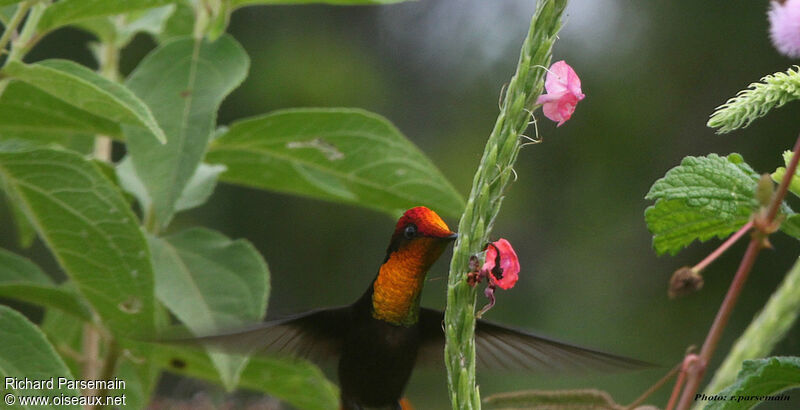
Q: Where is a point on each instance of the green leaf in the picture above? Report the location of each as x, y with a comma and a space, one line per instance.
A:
183, 82
31, 114
140, 380
26, 353
702, 198
26, 233
794, 184
70, 11
759, 380
65, 333
211, 283
87, 90
4, 3
295, 381
200, 187
342, 155
20, 279
242, 3
179, 24
90, 229
120, 31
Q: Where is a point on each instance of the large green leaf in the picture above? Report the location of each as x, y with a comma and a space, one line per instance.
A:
90, 229
4, 3
70, 11
28, 113
702, 198
759, 380
26, 353
183, 82
211, 283
295, 381
343, 155
87, 90
21, 279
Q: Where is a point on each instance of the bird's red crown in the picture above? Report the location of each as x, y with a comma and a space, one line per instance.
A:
428, 223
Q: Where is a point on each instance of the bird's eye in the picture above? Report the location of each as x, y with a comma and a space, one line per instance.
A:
410, 231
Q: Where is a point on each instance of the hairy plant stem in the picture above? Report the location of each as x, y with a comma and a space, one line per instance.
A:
695, 373
489, 183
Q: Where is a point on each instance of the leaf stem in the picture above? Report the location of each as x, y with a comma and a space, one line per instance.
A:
661, 382
722, 248
489, 184
25, 40
11, 28
695, 374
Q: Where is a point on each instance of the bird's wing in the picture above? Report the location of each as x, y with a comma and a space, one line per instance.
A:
500, 347
315, 335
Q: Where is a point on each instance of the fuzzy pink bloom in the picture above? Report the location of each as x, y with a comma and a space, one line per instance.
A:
563, 92
784, 27
502, 264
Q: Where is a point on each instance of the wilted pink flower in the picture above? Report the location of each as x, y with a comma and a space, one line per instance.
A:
500, 268
563, 92
502, 264
784, 26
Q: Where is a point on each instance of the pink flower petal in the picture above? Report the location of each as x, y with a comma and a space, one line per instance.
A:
502, 264
563, 92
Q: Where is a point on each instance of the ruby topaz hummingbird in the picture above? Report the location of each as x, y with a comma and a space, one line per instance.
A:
379, 338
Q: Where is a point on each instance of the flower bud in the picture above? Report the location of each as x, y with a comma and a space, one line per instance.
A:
684, 282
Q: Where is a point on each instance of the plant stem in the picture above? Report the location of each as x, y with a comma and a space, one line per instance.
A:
764, 332
490, 181
661, 382
93, 367
109, 368
694, 378
24, 41
11, 28
722, 248
91, 356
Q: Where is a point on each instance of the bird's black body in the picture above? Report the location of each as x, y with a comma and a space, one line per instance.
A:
376, 359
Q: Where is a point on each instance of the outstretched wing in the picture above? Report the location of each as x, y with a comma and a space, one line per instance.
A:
500, 347
315, 335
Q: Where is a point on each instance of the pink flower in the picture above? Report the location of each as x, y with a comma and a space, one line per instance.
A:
502, 264
563, 92
784, 26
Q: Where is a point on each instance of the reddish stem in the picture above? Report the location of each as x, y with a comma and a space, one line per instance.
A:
673, 398
695, 374
722, 248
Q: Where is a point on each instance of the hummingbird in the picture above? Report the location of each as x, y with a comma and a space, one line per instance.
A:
379, 338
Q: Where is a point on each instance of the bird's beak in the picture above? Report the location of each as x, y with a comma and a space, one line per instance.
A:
453, 236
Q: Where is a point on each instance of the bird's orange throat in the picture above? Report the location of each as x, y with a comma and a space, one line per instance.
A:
397, 289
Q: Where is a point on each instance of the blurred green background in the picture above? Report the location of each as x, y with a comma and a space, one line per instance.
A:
652, 73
